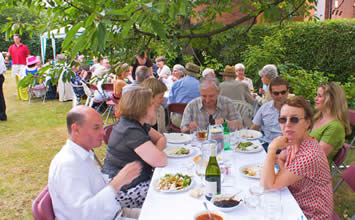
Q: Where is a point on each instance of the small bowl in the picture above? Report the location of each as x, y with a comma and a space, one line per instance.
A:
226, 197
221, 214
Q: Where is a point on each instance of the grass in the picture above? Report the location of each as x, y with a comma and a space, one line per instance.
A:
35, 132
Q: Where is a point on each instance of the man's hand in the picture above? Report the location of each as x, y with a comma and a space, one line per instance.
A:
126, 175
219, 121
233, 125
193, 125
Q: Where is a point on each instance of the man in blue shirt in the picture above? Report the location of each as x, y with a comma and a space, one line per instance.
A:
268, 114
185, 89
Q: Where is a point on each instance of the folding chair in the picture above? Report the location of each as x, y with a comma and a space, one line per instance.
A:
111, 105
76, 97
175, 108
42, 208
339, 159
39, 91
349, 177
245, 110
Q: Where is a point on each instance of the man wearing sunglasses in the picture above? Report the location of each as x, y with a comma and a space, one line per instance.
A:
268, 114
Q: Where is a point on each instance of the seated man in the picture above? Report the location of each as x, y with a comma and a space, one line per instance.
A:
268, 114
142, 73
233, 89
77, 187
185, 89
210, 108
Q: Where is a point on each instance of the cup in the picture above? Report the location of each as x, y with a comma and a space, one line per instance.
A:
272, 205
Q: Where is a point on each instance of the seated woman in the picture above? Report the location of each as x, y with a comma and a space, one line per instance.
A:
158, 88
303, 164
132, 139
332, 120
123, 73
240, 70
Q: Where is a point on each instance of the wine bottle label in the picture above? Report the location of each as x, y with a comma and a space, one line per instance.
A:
211, 188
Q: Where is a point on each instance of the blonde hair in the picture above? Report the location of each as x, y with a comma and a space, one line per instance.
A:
335, 104
134, 103
155, 85
120, 69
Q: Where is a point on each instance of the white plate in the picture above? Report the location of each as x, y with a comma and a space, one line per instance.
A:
256, 167
170, 152
249, 134
156, 183
251, 149
178, 138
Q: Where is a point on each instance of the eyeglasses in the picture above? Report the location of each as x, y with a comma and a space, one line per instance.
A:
278, 93
293, 120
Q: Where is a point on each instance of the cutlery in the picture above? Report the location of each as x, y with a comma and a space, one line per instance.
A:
208, 211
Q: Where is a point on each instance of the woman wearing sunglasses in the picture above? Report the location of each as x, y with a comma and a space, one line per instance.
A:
303, 164
332, 120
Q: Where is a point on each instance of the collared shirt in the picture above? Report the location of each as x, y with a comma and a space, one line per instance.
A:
267, 116
184, 90
130, 87
2, 64
19, 53
77, 187
236, 90
195, 111
165, 70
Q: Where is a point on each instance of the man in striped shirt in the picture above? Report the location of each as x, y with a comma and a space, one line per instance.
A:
210, 108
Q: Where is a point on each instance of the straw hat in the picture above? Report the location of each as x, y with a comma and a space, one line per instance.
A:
229, 71
32, 60
192, 69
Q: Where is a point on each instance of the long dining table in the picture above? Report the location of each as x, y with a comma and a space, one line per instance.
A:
181, 205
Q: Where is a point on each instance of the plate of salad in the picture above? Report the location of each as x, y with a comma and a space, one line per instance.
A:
171, 183
179, 151
248, 147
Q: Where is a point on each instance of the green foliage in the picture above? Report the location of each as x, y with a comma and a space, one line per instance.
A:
302, 82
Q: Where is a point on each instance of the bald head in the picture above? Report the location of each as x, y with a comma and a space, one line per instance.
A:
78, 115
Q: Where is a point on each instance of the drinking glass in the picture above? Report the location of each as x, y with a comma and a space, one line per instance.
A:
194, 142
272, 205
201, 135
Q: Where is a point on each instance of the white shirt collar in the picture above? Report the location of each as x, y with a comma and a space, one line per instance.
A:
79, 150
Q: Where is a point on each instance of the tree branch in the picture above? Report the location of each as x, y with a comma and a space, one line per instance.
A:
296, 9
74, 6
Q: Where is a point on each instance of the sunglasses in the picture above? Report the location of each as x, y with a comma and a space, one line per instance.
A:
278, 93
293, 120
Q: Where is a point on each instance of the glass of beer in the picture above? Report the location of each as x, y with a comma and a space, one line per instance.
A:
201, 134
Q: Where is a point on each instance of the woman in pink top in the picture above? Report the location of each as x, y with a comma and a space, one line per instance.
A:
303, 164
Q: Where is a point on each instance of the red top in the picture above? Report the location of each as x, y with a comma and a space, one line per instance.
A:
19, 53
314, 192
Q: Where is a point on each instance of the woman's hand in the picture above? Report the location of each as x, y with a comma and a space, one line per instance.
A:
280, 142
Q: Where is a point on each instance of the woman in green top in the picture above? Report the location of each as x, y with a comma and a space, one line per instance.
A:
331, 123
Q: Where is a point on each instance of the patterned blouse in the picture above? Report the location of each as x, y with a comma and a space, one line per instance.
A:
314, 192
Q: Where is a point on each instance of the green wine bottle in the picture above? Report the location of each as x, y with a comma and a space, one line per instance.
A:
226, 136
213, 174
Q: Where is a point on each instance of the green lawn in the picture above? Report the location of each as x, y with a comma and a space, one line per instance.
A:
31, 137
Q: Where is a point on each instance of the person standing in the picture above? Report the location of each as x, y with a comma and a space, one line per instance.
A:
3, 116
18, 51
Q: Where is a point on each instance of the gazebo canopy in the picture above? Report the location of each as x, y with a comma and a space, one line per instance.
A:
54, 34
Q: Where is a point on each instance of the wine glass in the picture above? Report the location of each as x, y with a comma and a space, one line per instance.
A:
272, 205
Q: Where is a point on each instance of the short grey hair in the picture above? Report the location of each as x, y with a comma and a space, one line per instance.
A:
60, 57
206, 72
206, 83
269, 71
142, 72
239, 66
179, 68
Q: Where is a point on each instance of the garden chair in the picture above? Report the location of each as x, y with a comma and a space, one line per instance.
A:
176, 108
246, 111
110, 103
339, 158
39, 91
349, 177
42, 208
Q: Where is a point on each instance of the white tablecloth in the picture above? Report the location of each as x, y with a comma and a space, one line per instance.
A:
181, 206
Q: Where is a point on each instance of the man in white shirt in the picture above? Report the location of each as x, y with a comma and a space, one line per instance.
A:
3, 116
77, 187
